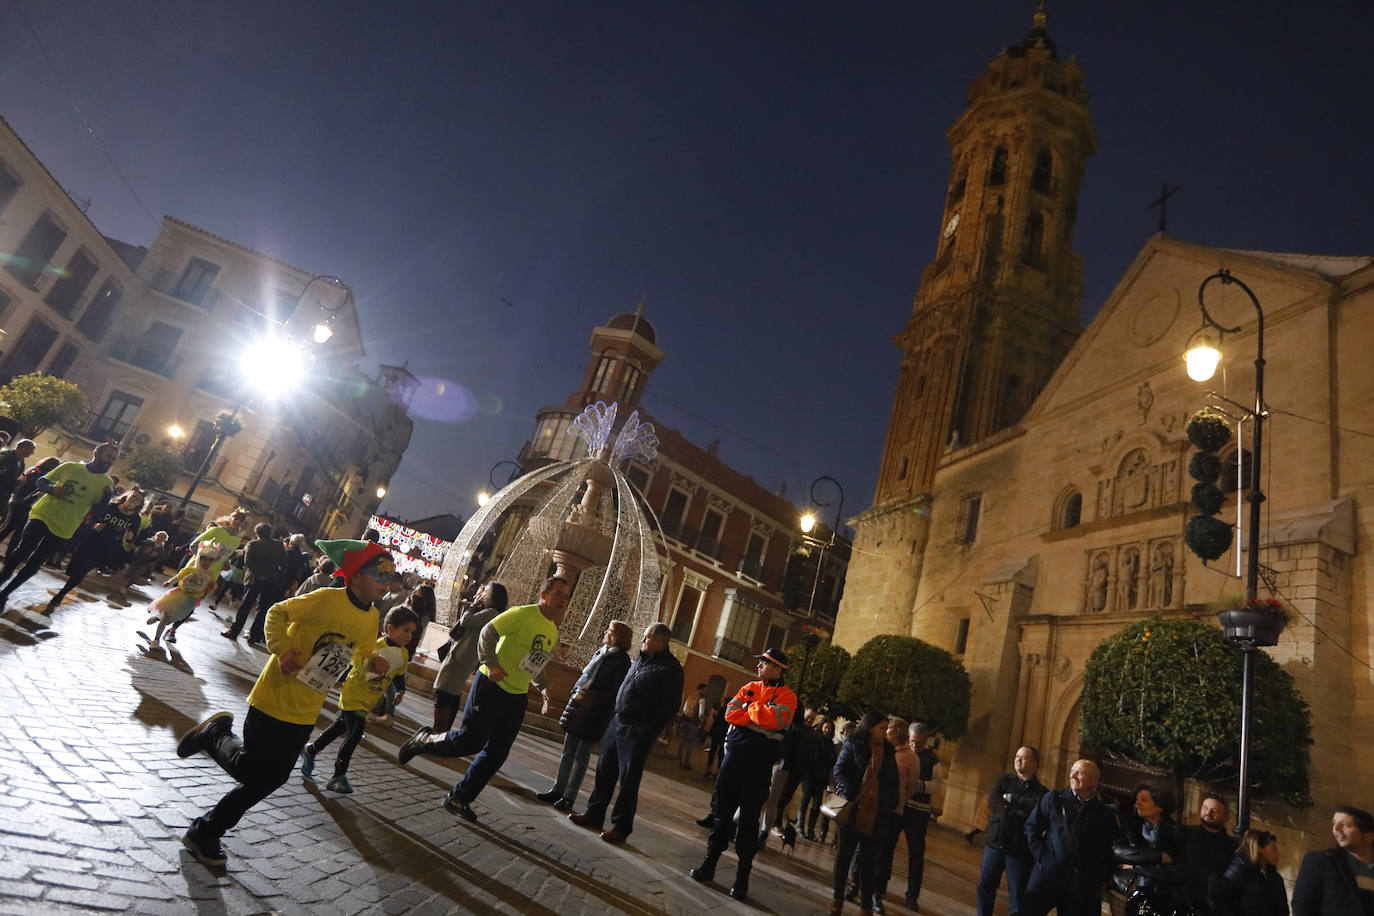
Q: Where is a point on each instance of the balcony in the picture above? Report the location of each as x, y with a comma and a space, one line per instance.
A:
752, 569
132, 350
731, 651
169, 284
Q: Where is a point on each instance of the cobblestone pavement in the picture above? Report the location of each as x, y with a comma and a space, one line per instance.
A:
93, 802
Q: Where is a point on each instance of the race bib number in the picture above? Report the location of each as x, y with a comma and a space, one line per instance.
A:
326, 667
534, 662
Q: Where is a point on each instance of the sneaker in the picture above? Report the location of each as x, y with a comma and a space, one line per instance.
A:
307, 761
229, 634
550, 796
454, 805
196, 739
412, 746
340, 784
153, 618
172, 636
206, 849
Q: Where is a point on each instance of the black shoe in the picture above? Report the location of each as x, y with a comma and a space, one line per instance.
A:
705, 871
808, 835
550, 796
198, 737
562, 805
911, 904
707, 821
740, 889
876, 905
762, 843
205, 848
851, 891
461, 808
407, 751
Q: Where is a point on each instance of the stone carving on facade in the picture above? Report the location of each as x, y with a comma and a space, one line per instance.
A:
718, 504
1061, 668
762, 529
1144, 400
680, 481
1133, 576
1139, 483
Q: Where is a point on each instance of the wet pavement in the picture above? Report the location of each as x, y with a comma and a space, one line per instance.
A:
94, 800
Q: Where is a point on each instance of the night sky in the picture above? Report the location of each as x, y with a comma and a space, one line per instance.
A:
495, 179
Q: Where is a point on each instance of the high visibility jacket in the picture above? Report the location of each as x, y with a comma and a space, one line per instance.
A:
761, 710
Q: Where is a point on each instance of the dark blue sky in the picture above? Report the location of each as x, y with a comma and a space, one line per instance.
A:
769, 176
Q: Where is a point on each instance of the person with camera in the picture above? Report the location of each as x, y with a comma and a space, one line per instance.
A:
1010, 802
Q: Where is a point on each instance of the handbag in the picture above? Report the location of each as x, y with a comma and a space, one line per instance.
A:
580, 707
834, 805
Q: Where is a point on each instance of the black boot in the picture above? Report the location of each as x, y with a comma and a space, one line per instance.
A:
740, 889
707, 869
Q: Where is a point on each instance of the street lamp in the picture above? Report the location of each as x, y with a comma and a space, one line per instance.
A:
807, 524
484, 496
323, 330
175, 431
1206, 363
381, 492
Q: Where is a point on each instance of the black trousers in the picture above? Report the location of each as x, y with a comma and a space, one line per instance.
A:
264, 595
351, 723
862, 851
624, 751
491, 723
742, 785
262, 761
35, 545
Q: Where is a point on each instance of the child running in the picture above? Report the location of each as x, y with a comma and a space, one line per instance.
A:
312, 639
189, 585
361, 691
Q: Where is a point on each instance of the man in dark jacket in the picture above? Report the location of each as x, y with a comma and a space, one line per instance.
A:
1340, 881
1070, 835
1209, 847
1010, 803
262, 559
646, 701
12, 466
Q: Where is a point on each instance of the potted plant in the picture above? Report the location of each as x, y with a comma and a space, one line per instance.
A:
1258, 621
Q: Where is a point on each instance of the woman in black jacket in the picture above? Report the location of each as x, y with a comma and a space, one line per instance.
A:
1251, 885
589, 711
1151, 853
866, 775
814, 782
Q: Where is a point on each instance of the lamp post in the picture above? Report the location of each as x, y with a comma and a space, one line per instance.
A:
808, 523
323, 330
516, 471
1202, 360
225, 425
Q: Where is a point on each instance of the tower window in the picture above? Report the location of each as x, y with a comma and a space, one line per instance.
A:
1042, 179
603, 371
901, 474
997, 173
1034, 239
631, 386
956, 190
961, 637
1069, 511
966, 526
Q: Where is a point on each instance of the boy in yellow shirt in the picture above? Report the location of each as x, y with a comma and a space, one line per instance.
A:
312, 640
361, 691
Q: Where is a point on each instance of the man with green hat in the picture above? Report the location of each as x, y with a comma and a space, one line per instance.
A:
312, 639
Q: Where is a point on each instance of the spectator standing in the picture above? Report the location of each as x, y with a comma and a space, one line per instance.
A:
1070, 835
689, 726
1250, 885
1210, 848
866, 775
588, 712
908, 777
69, 491
1340, 881
295, 564
423, 603
645, 701
758, 714
1150, 851
919, 808
322, 577
815, 780
262, 564
1010, 802
715, 735
460, 660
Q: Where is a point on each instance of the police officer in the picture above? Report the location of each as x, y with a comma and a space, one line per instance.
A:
758, 716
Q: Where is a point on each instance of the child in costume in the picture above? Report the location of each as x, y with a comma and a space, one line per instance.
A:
361, 691
189, 585
312, 639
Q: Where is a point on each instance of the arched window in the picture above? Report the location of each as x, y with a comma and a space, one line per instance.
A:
997, 173
631, 383
1042, 179
602, 376
1034, 239
1068, 510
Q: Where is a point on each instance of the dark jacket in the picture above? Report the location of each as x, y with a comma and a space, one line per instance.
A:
600, 682
1208, 854
11, 469
851, 765
1067, 836
1326, 886
823, 753
1248, 890
649, 695
1161, 881
1010, 802
262, 559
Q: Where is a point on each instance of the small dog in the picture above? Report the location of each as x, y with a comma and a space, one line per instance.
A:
789, 839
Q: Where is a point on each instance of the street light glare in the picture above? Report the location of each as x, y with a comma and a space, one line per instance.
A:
1202, 359
322, 332
176, 432
483, 498
381, 492
808, 521
275, 365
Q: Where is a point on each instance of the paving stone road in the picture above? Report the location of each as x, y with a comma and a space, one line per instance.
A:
93, 802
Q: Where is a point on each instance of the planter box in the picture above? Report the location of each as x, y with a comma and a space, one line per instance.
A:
1257, 628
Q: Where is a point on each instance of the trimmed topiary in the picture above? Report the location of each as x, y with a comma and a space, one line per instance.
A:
903, 676
1208, 430
1208, 498
824, 672
1208, 537
1204, 466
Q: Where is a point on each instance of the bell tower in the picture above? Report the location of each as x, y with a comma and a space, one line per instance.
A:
996, 311
998, 307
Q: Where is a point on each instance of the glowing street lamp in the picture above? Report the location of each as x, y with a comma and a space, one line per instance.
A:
483, 498
1202, 355
381, 492
176, 432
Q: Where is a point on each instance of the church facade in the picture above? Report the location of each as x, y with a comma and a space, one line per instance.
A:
1033, 490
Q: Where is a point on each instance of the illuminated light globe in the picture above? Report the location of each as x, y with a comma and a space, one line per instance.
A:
587, 520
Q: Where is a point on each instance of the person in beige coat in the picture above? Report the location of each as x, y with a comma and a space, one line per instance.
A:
461, 659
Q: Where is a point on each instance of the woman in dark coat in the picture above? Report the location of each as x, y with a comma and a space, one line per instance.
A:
461, 658
866, 775
1251, 885
589, 711
1151, 853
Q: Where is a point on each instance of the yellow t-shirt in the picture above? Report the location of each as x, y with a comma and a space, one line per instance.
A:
83, 488
323, 624
359, 690
528, 641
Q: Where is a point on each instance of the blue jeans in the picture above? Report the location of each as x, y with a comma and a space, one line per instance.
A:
491, 721
572, 767
990, 876
624, 751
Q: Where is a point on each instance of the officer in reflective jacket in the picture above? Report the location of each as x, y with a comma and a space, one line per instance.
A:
758, 715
